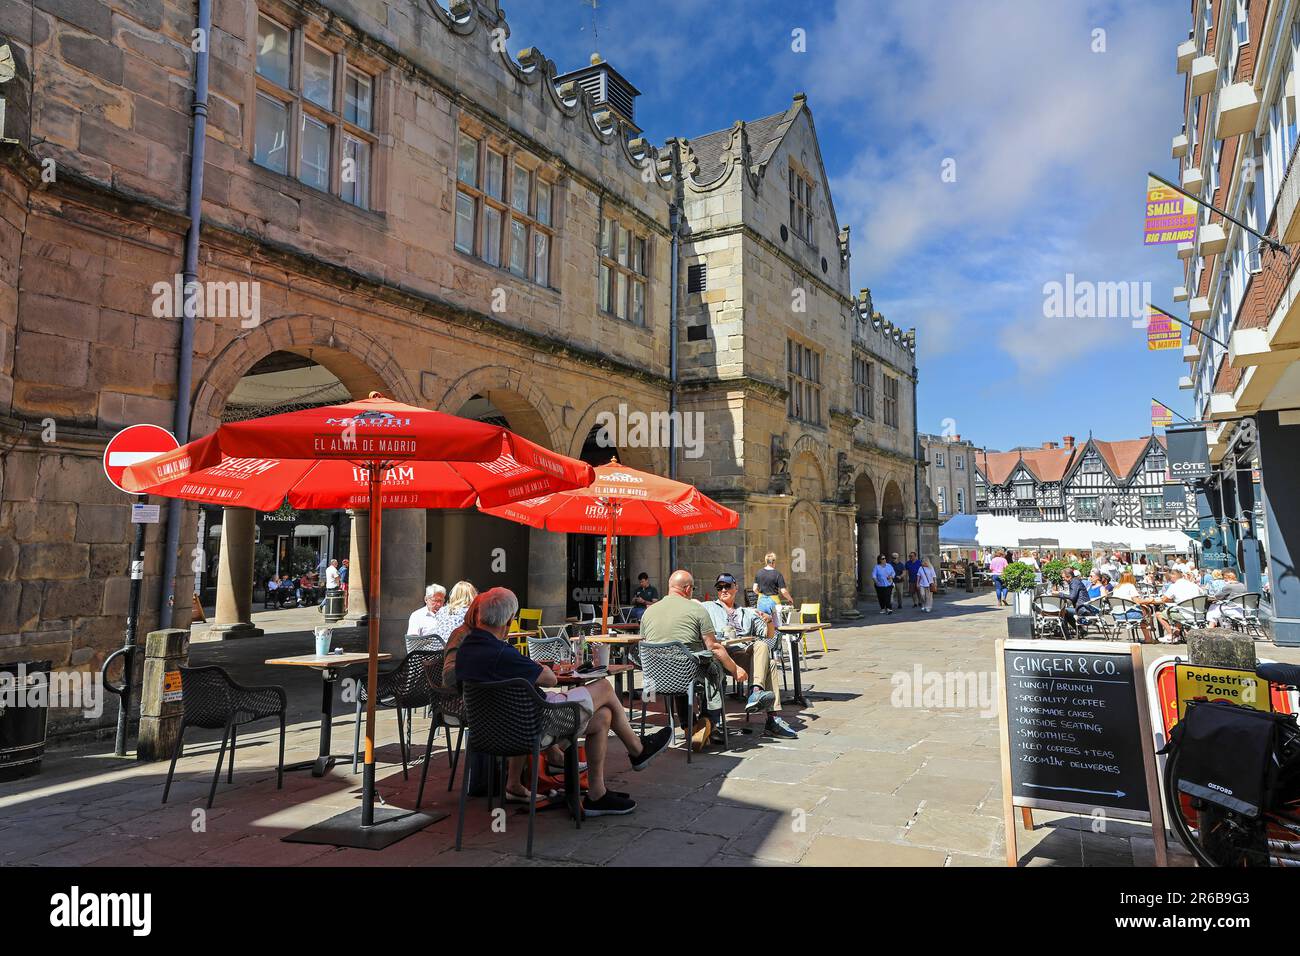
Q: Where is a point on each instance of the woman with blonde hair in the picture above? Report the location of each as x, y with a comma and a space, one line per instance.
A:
452, 614
925, 581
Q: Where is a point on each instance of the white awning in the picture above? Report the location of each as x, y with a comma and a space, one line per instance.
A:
1007, 531
311, 531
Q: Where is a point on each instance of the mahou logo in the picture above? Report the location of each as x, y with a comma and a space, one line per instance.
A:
621, 476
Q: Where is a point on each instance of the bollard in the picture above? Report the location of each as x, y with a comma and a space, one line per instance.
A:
1221, 647
970, 578
160, 693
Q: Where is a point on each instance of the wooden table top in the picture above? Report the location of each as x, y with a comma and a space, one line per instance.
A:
795, 627
524, 634
612, 639
629, 626
324, 660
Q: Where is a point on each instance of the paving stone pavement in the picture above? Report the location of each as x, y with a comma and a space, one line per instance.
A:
866, 783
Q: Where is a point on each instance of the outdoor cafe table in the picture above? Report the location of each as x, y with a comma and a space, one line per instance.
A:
329, 665
795, 631
617, 671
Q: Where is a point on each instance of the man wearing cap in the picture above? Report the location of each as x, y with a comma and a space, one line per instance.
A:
730, 622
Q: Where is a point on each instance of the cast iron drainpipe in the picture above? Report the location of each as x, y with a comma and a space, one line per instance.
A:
185, 356
674, 226
916, 459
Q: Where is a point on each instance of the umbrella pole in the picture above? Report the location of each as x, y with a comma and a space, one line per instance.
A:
609, 546
372, 668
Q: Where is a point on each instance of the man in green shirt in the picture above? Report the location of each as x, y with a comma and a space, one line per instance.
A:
678, 617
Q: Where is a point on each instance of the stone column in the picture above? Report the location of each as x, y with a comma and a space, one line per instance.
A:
548, 562
358, 569
402, 575
868, 548
234, 615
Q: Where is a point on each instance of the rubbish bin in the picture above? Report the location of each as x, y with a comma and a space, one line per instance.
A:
23, 717
333, 605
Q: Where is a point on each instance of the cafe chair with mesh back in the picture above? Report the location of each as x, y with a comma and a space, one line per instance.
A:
1048, 614
1121, 619
511, 718
550, 650
212, 699
404, 688
446, 711
1190, 613
671, 671
1248, 620
430, 643
816, 611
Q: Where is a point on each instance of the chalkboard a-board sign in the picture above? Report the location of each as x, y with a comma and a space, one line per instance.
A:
1076, 733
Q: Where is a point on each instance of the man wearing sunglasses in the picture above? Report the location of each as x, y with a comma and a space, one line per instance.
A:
731, 622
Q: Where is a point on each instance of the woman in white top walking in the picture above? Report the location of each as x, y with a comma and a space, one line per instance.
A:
925, 578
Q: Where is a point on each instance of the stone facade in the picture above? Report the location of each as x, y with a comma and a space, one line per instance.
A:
382, 298
950, 468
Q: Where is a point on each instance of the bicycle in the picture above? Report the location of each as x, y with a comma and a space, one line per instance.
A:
1217, 836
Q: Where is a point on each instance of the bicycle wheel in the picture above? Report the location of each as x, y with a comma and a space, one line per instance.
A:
1179, 803
1214, 837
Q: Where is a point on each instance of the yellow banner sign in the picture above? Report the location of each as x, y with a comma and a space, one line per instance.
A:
1220, 683
1163, 332
1170, 216
1161, 417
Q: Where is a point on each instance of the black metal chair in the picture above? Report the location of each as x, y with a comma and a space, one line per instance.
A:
550, 649
446, 710
404, 688
671, 670
213, 699
511, 718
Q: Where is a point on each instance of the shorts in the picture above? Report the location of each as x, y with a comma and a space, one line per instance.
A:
767, 603
578, 695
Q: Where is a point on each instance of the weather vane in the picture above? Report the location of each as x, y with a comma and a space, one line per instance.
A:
595, 32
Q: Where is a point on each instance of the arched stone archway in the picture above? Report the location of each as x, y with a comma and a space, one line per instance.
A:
807, 583
867, 524
651, 457
893, 528
358, 360
522, 402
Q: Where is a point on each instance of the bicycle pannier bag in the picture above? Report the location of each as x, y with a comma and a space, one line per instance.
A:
1227, 755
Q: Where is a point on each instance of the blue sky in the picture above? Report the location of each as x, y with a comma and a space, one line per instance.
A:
1050, 140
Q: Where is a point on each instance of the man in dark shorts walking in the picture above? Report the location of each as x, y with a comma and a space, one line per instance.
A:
769, 585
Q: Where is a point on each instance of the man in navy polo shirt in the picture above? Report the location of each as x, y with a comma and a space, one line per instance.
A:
913, 574
484, 656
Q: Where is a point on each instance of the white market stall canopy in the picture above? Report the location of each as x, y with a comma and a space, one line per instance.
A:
1007, 531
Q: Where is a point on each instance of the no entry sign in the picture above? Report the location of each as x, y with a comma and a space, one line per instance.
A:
135, 444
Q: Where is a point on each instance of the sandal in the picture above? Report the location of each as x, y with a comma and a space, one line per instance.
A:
523, 797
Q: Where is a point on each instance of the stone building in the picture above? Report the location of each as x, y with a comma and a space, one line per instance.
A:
950, 470
413, 210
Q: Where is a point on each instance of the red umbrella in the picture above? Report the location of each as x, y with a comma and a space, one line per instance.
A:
372, 454
633, 502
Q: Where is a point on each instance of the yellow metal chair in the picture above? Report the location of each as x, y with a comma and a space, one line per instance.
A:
816, 611
530, 619
519, 643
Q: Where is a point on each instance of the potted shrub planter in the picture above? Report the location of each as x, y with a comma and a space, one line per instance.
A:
1020, 581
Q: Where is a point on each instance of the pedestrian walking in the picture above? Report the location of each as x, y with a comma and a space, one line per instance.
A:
882, 575
900, 577
926, 579
769, 584
913, 573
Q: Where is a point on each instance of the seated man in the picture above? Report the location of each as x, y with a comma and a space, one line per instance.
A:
646, 594
484, 656
1220, 610
421, 622
756, 657
1179, 589
1075, 590
679, 618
